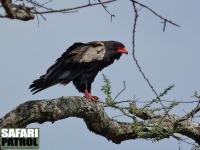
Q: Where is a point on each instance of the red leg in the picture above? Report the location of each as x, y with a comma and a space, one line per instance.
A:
89, 95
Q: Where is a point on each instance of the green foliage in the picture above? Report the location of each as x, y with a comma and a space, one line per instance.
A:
156, 100
166, 90
106, 89
147, 111
169, 107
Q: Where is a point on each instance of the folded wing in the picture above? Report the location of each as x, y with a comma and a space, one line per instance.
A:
78, 59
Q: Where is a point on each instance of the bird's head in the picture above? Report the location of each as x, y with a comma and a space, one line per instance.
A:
115, 48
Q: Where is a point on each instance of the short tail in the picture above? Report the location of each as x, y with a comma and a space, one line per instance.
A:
40, 84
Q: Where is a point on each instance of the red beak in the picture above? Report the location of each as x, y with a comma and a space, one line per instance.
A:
122, 50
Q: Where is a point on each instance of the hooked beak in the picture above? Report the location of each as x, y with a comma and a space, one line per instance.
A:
122, 50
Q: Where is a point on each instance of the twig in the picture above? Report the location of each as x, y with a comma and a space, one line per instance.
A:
114, 103
37, 15
117, 116
184, 140
120, 91
164, 19
74, 8
180, 102
46, 3
105, 8
35, 4
190, 114
123, 111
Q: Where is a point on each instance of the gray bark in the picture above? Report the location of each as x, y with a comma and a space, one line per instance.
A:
97, 120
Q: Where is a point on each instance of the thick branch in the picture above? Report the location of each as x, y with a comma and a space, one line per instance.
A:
96, 120
17, 11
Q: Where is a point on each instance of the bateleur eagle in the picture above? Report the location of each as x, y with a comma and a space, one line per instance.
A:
80, 63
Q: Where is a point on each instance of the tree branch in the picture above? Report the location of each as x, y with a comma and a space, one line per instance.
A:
74, 8
25, 13
156, 14
97, 120
190, 114
134, 56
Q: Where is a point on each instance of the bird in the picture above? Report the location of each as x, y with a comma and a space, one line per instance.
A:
80, 63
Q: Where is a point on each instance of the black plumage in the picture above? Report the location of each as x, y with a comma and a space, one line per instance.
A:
80, 63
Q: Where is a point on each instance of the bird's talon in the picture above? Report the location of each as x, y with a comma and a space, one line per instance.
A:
89, 95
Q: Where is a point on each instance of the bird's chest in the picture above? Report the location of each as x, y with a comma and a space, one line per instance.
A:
106, 62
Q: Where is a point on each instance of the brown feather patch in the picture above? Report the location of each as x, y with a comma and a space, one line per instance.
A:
100, 43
